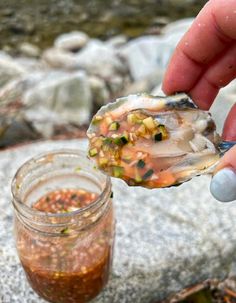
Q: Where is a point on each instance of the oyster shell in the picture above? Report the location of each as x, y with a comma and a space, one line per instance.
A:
153, 141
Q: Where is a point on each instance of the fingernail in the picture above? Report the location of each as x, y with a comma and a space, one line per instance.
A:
223, 185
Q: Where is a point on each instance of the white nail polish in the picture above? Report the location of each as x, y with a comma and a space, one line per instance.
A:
223, 185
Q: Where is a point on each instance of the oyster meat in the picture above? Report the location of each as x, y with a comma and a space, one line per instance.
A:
153, 141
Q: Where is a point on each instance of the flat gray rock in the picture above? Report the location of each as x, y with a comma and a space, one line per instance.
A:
166, 239
9, 69
99, 59
60, 97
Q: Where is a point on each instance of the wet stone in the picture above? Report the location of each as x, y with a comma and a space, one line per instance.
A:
99, 59
59, 58
72, 41
179, 237
59, 98
9, 69
29, 50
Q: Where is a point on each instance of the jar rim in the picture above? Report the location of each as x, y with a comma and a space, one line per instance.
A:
16, 201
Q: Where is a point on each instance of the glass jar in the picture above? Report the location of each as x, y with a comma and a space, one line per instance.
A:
66, 256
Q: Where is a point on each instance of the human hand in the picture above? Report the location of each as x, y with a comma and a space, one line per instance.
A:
203, 62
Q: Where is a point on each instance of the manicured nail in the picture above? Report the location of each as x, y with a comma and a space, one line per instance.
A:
223, 185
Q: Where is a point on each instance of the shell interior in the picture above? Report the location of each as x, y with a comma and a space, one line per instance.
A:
153, 141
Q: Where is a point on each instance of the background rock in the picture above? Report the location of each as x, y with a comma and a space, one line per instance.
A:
147, 55
179, 26
58, 58
116, 85
145, 85
30, 65
9, 69
117, 41
72, 41
15, 89
29, 50
59, 98
99, 90
99, 59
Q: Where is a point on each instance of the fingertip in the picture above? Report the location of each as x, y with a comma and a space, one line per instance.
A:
223, 185
229, 131
229, 160
204, 93
164, 86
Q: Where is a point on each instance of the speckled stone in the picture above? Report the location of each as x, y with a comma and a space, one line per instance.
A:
166, 239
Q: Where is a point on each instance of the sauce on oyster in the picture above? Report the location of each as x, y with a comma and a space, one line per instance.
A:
153, 141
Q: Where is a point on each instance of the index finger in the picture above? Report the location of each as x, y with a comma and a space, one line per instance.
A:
212, 32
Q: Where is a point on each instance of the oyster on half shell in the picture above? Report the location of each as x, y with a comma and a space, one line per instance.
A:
153, 141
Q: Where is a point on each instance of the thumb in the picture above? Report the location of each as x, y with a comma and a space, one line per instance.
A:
223, 184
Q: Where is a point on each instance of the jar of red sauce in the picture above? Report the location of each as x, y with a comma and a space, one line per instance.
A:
64, 226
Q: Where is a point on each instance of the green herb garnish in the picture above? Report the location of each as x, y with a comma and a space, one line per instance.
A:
121, 140
93, 152
118, 171
140, 163
114, 126
117, 141
163, 131
107, 141
65, 231
96, 120
148, 174
158, 137
124, 139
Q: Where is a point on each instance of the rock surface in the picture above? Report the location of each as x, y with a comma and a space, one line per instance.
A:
99, 90
9, 69
59, 97
165, 240
117, 41
29, 50
149, 54
59, 58
99, 59
144, 55
72, 41
179, 26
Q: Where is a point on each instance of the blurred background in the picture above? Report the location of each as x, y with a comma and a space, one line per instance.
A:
61, 60
40, 22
